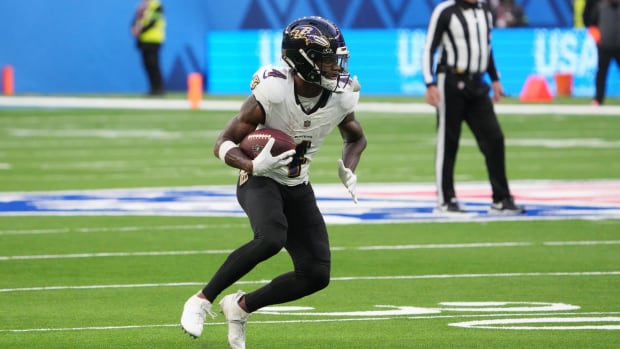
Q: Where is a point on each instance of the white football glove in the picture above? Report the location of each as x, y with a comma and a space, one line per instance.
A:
264, 162
349, 179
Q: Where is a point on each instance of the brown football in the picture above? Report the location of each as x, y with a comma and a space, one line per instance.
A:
255, 141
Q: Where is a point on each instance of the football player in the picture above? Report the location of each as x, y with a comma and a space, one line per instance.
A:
308, 99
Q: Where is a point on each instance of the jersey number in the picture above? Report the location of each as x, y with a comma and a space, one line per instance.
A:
299, 159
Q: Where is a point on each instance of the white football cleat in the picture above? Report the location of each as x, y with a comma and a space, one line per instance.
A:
194, 314
236, 317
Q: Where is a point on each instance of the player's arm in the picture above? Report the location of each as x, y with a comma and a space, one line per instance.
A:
496, 85
225, 148
354, 144
354, 141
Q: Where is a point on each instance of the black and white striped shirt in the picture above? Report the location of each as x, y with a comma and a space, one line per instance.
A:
462, 30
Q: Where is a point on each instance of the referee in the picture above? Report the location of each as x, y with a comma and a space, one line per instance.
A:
461, 29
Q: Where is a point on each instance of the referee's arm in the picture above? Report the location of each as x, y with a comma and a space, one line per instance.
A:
496, 86
433, 37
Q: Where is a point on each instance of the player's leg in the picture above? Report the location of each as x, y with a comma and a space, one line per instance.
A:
449, 119
308, 245
482, 121
260, 198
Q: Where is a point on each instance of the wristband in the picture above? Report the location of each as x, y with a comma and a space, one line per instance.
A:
224, 148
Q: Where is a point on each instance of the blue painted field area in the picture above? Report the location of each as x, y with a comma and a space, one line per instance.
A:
378, 203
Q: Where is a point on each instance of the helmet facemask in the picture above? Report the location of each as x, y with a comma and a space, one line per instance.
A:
327, 70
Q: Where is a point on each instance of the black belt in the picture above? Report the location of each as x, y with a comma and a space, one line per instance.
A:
463, 74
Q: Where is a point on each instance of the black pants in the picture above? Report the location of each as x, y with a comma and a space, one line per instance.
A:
467, 100
150, 61
281, 217
605, 56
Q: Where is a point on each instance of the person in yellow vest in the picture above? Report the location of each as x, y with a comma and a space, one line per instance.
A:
149, 28
578, 8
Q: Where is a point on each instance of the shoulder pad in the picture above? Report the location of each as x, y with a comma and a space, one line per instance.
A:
270, 82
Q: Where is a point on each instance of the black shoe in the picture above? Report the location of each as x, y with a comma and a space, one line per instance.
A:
506, 206
450, 207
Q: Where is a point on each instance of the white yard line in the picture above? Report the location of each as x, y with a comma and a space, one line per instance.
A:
343, 278
271, 322
360, 248
176, 228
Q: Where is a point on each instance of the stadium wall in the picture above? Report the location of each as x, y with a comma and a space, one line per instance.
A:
389, 62
72, 46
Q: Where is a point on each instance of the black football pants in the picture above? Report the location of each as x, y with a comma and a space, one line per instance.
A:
456, 107
281, 217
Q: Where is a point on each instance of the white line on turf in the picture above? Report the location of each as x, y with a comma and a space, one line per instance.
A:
204, 227
270, 322
581, 243
113, 254
344, 278
360, 248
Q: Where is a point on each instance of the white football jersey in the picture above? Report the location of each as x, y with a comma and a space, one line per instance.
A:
273, 88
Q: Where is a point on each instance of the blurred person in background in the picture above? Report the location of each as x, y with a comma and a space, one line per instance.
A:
578, 8
509, 14
149, 28
461, 31
604, 17
586, 14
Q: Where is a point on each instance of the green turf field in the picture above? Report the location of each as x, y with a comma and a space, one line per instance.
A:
121, 281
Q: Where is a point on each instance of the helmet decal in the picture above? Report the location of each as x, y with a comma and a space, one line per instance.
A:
310, 34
